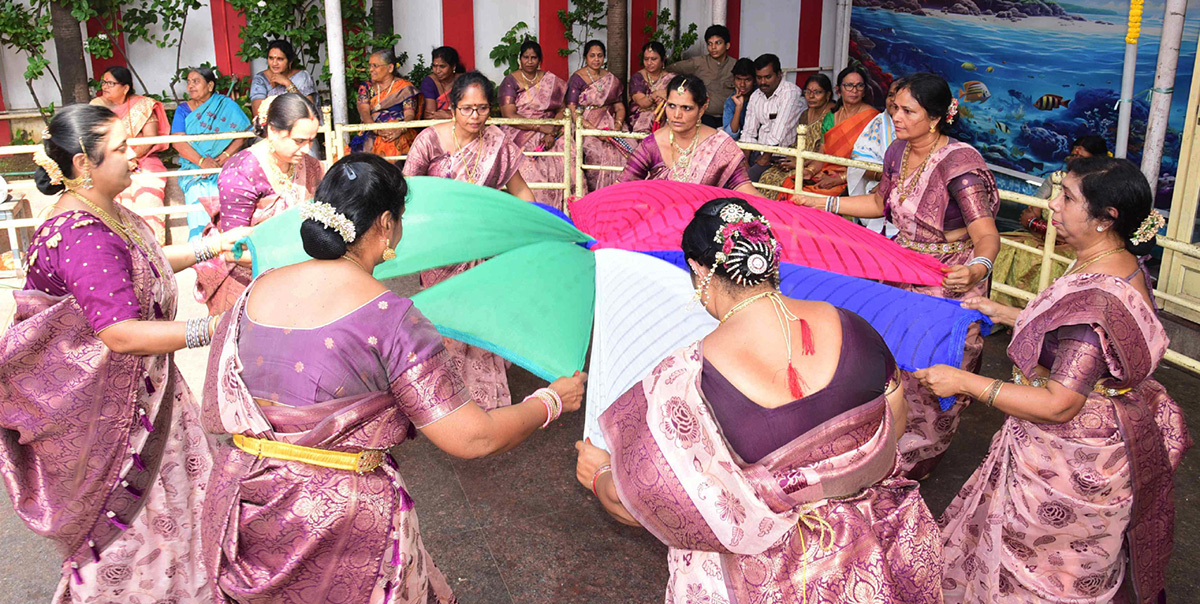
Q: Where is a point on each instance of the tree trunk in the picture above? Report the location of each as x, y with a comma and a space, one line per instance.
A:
68, 45
618, 39
381, 18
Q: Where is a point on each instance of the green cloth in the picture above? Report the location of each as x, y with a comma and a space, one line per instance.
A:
531, 302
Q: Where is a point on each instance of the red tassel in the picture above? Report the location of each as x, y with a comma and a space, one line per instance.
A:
807, 346
794, 382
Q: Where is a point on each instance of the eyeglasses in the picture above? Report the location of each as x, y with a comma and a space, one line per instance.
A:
812, 92
858, 86
108, 83
476, 110
374, 66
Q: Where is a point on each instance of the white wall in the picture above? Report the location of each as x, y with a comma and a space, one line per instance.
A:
156, 66
769, 26
492, 21
420, 27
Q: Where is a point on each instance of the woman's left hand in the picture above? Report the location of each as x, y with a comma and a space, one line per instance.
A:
590, 459
788, 164
942, 380
229, 241
829, 181
960, 278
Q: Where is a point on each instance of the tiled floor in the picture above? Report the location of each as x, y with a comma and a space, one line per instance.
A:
518, 528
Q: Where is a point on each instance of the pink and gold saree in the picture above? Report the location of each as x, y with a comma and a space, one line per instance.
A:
490, 160
543, 100
596, 101
1070, 512
717, 162
823, 519
954, 189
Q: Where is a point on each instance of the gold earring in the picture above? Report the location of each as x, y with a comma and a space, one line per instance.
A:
933, 128
389, 253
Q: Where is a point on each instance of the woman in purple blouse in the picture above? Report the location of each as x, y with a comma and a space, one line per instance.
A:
257, 183
106, 457
306, 505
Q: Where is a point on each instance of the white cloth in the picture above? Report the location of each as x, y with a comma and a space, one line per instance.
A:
870, 146
785, 105
644, 312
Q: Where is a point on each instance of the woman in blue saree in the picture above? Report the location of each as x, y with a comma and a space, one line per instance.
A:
205, 112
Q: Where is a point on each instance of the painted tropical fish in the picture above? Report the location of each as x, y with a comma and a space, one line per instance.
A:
969, 66
974, 92
1051, 101
1001, 126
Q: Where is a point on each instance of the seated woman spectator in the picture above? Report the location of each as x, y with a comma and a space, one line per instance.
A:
648, 90
532, 93
597, 94
871, 145
435, 88
143, 116
257, 183
387, 97
840, 130
283, 75
764, 455
1074, 502
205, 112
697, 154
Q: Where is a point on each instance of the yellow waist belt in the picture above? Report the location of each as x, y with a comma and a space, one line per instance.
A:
1040, 382
362, 462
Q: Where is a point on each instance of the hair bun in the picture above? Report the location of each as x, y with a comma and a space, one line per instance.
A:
42, 180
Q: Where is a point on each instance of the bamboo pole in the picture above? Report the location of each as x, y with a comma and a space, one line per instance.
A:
568, 140
1051, 235
801, 147
579, 183
1130, 70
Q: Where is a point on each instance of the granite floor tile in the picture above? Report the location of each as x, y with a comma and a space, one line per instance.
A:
469, 566
440, 501
579, 555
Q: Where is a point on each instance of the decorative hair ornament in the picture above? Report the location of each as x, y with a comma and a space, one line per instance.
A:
952, 112
1149, 227
324, 213
748, 252
263, 108
681, 89
49, 165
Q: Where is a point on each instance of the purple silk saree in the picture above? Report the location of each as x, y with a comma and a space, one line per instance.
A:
102, 451
290, 532
543, 100
823, 519
490, 161
1055, 509
717, 161
923, 211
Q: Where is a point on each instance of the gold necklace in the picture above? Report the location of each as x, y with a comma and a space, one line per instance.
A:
117, 226
529, 83
275, 176
357, 263
376, 91
1094, 260
652, 84
472, 172
683, 157
747, 302
909, 184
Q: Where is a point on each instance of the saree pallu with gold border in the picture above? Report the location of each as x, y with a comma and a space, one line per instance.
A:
148, 190
1071, 512
822, 519
543, 100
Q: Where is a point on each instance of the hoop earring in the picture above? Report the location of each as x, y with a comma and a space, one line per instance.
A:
389, 253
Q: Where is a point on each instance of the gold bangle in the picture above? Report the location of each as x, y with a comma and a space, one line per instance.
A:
993, 391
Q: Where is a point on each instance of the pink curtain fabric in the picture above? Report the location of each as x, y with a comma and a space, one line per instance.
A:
823, 519
1055, 509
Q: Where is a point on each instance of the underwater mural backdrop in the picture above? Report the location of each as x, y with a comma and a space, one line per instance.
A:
1030, 75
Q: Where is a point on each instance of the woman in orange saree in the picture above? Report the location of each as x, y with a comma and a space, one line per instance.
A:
142, 116
386, 97
842, 127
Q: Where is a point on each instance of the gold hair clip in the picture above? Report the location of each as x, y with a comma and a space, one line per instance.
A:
681, 89
49, 165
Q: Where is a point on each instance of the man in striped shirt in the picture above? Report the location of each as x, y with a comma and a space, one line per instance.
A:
773, 113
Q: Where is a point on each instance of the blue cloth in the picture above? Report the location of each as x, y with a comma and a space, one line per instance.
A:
727, 118
920, 330
218, 114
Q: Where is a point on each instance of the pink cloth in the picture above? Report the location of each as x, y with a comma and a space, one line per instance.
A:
145, 117
596, 101
1053, 510
490, 161
247, 197
109, 434
642, 120
822, 519
290, 532
650, 216
921, 217
542, 101
717, 161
